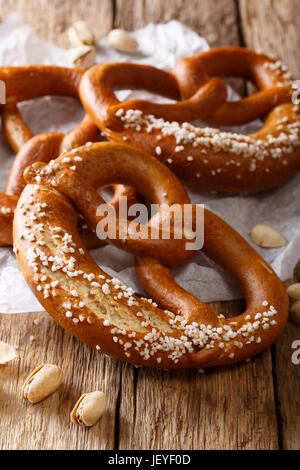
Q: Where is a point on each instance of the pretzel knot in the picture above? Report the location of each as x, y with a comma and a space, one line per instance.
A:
100, 310
206, 158
24, 83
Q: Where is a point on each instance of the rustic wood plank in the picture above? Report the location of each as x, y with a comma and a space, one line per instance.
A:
287, 375
225, 408
273, 27
275, 31
186, 410
217, 25
51, 20
47, 425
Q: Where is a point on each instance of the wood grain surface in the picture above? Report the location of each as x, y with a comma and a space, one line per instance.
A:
249, 406
276, 31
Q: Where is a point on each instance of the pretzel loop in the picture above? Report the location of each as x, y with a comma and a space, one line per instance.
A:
105, 314
99, 83
271, 78
34, 81
205, 158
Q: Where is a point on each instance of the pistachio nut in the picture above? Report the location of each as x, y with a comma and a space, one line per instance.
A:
122, 41
89, 409
80, 34
42, 382
294, 291
7, 353
295, 312
266, 236
84, 57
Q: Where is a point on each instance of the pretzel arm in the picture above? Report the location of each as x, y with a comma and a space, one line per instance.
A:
273, 82
203, 103
15, 130
99, 83
221, 161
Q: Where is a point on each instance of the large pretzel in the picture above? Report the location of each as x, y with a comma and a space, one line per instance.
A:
105, 314
23, 83
204, 157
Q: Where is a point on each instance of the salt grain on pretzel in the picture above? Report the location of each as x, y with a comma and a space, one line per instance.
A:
104, 313
204, 157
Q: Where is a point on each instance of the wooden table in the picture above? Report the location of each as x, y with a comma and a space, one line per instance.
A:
248, 406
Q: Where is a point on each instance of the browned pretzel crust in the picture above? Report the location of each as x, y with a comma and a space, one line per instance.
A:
271, 78
205, 158
104, 313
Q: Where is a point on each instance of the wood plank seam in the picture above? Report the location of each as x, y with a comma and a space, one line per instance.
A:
277, 405
135, 385
247, 92
114, 12
117, 412
273, 28
239, 24
246, 87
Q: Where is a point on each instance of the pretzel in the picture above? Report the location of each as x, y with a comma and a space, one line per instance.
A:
16, 131
204, 158
100, 310
24, 83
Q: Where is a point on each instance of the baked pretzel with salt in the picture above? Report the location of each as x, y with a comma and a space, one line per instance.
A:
205, 158
100, 310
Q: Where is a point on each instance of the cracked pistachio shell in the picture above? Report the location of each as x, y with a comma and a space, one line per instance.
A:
84, 57
120, 40
267, 237
294, 291
80, 34
42, 382
295, 312
89, 409
7, 353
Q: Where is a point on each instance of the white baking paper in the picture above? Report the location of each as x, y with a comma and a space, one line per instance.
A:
160, 45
